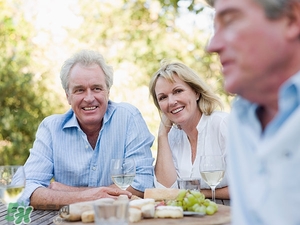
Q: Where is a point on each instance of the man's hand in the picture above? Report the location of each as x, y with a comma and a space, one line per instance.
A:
58, 194
105, 192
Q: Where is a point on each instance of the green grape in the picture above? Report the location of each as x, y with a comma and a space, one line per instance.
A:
181, 194
200, 201
191, 199
174, 203
201, 209
197, 194
195, 206
187, 202
206, 202
210, 210
179, 203
214, 205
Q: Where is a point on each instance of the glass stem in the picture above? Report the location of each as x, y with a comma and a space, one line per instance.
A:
213, 194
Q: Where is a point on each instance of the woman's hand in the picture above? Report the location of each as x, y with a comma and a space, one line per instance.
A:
165, 125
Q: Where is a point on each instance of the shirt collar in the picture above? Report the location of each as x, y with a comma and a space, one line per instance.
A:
292, 85
71, 120
244, 107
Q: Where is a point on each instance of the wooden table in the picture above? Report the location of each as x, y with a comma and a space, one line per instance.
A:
41, 217
38, 217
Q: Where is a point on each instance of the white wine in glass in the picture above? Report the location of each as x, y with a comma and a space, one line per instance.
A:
12, 183
122, 172
212, 170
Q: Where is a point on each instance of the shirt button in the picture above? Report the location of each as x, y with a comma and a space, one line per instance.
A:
86, 146
94, 168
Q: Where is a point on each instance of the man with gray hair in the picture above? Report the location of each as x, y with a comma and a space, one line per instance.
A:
258, 42
75, 148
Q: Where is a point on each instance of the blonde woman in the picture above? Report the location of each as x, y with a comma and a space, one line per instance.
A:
190, 126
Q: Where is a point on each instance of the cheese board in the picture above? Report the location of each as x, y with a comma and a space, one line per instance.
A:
221, 217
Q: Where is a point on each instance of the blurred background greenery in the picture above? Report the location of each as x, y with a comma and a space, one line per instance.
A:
133, 35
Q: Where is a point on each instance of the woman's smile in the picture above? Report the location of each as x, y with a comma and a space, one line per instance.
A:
175, 111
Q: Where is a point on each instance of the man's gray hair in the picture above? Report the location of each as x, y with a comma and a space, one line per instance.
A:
85, 58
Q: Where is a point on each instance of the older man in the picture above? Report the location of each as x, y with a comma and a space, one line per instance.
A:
258, 42
76, 148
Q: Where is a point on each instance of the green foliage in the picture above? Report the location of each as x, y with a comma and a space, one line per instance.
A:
133, 35
21, 101
195, 6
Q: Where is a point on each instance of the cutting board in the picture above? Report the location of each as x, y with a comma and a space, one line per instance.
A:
220, 217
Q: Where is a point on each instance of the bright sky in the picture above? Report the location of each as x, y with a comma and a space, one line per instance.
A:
53, 15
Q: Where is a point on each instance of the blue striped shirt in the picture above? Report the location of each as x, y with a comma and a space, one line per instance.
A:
61, 150
264, 164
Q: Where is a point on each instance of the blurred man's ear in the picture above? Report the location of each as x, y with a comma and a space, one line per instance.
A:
294, 21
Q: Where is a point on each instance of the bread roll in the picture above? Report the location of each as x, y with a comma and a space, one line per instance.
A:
148, 210
159, 194
139, 203
88, 216
168, 212
135, 215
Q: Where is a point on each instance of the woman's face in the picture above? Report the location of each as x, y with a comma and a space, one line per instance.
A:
178, 101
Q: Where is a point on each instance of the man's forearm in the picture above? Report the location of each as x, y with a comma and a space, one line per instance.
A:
48, 199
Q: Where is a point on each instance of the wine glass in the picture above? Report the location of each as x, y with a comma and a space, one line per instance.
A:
12, 183
212, 170
122, 172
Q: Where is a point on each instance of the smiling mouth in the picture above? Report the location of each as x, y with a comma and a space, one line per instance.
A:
177, 110
89, 108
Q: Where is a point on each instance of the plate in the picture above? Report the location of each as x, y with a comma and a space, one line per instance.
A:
190, 213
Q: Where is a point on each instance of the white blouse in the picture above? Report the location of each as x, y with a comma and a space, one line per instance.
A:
212, 131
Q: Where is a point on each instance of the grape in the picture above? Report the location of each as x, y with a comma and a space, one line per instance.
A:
214, 205
181, 194
201, 209
206, 202
192, 200
210, 210
195, 207
197, 194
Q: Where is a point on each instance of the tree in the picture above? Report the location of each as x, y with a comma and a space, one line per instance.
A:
24, 101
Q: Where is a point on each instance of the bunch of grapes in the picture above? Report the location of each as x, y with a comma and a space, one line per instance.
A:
192, 200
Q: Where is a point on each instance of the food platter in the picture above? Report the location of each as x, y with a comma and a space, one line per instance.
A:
222, 217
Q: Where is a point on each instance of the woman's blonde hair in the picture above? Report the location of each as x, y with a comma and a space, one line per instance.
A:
208, 100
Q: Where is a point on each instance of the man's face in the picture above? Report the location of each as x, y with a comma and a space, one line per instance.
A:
251, 46
88, 95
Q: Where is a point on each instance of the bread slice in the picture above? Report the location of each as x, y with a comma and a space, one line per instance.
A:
159, 194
